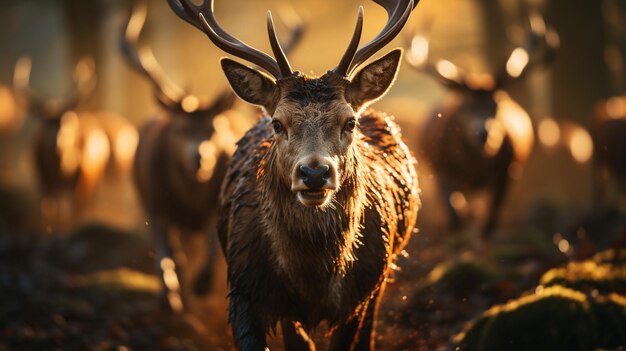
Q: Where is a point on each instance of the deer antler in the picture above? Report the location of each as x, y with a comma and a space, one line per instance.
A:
541, 44
202, 17
444, 71
84, 81
398, 12
142, 59
542, 40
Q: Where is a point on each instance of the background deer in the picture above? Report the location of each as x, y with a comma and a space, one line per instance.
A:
180, 163
321, 193
479, 135
72, 149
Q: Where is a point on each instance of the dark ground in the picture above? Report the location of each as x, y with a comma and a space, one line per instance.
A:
95, 289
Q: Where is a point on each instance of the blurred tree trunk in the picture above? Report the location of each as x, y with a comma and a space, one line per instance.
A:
614, 12
495, 32
579, 71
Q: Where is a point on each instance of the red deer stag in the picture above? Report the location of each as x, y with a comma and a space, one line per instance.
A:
320, 195
479, 135
71, 149
180, 163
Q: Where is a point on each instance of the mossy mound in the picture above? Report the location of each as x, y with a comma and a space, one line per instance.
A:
605, 272
122, 279
576, 307
462, 277
525, 245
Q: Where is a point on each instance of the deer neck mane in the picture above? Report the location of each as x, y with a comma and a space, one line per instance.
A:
305, 241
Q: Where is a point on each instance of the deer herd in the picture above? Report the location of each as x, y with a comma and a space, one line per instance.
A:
313, 203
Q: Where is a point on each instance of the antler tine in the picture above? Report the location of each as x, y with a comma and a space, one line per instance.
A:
446, 72
202, 17
21, 74
21, 82
242, 50
142, 58
398, 14
348, 56
188, 11
281, 58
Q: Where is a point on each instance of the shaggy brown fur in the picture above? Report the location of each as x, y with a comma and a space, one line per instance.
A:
336, 258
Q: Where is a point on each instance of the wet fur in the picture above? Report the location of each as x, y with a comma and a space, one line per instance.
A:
287, 262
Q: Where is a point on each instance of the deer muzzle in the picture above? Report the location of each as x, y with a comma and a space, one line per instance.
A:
314, 180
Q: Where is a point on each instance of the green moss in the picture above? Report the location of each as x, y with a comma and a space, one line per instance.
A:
611, 256
557, 319
461, 277
576, 307
605, 272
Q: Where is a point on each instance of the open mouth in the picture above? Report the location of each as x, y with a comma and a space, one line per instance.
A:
313, 197
313, 194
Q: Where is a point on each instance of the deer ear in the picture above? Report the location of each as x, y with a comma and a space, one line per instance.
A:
249, 84
374, 80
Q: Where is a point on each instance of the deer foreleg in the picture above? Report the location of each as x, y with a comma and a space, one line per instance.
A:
248, 331
166, 265
499, 192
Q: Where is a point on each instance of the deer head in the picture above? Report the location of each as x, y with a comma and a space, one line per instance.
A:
314, 119
479, 106
52, 110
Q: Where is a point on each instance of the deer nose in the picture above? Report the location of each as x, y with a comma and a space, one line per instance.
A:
314, 178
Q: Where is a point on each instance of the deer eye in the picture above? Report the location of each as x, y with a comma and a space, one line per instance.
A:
350, 125
278, 127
